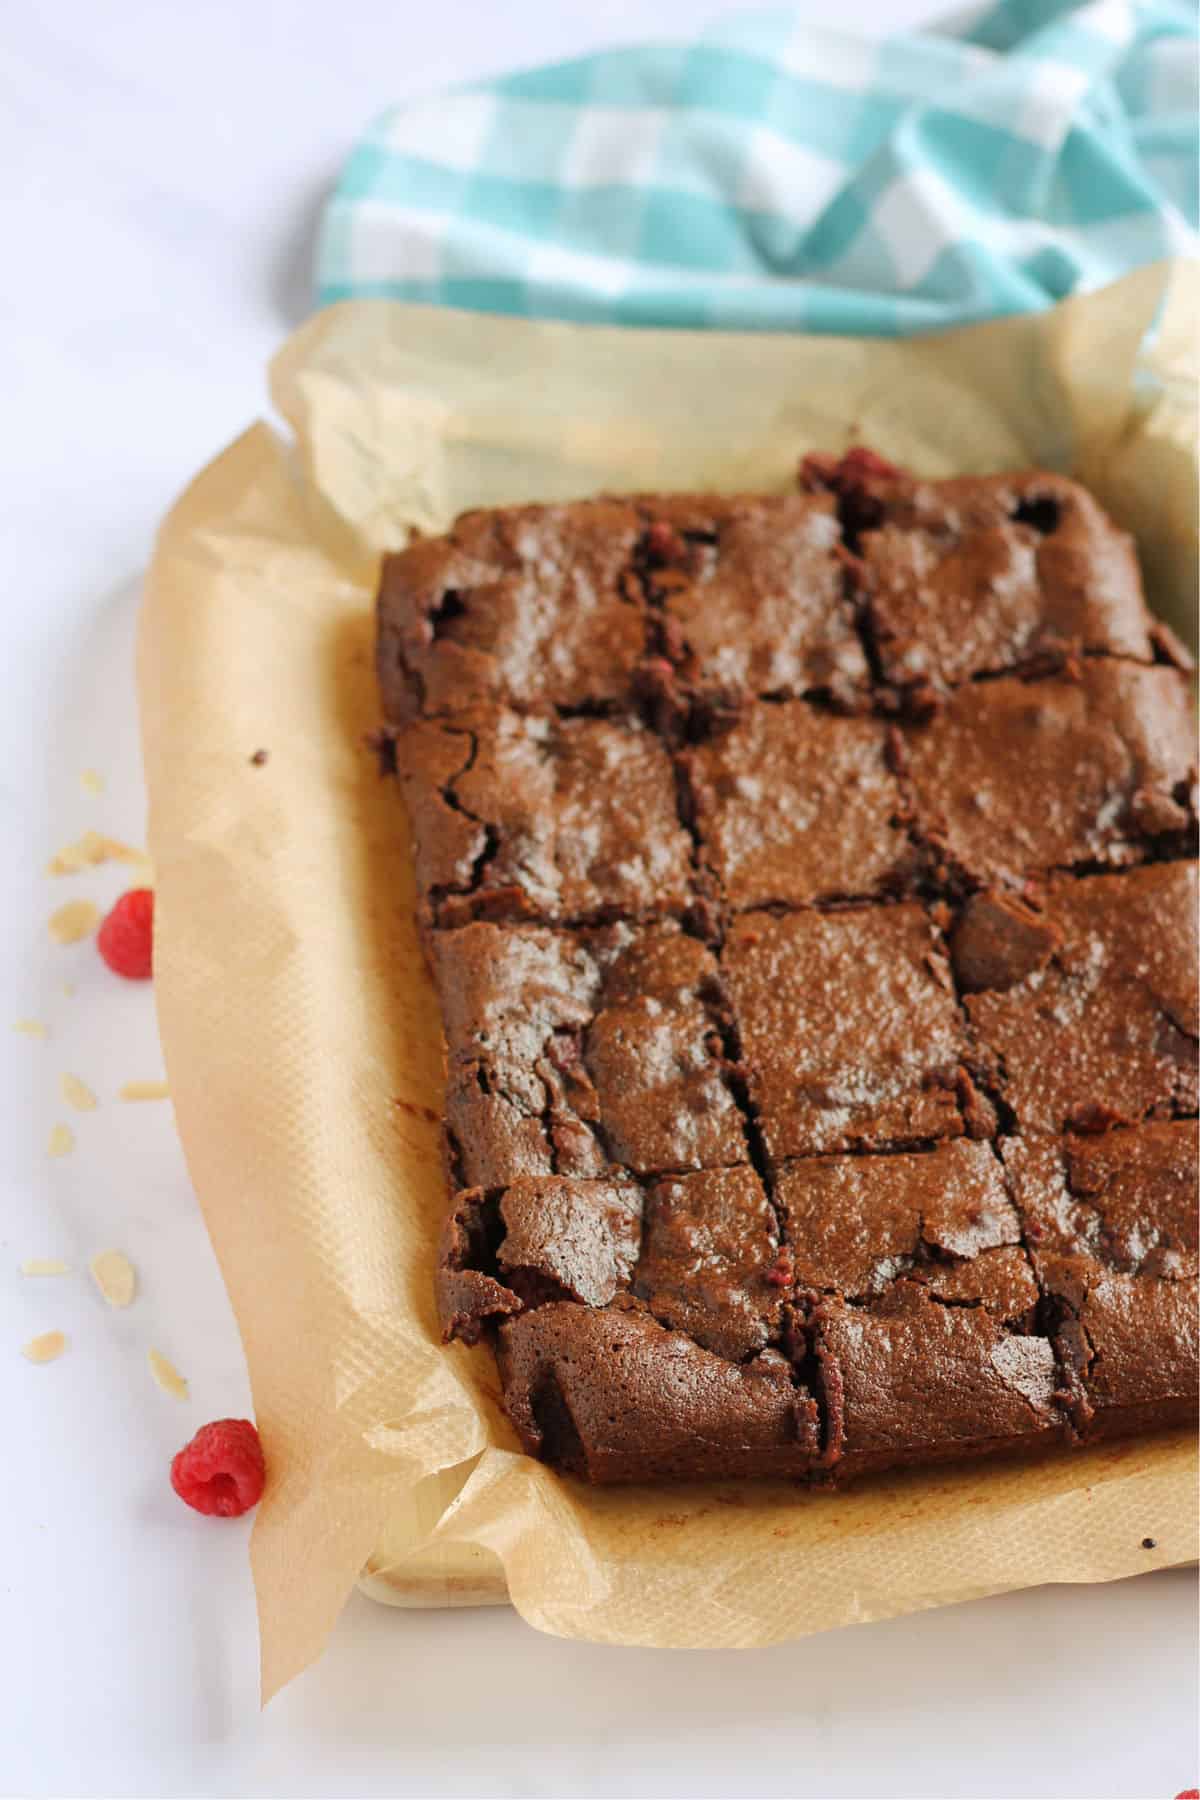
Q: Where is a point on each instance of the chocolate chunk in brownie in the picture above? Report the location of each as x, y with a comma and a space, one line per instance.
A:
1111, 1224
547, 1238
525, 606
996, 573
941, 1219
795, 805
615, 1396
576, 1052
909, 1379
850, 1032
552, 820
998, 940
754, 598
710, 1260
1106, 1029
1014, 778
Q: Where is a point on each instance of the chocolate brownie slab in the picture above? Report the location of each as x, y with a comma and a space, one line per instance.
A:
794, 805
576, 1053
554, 820
1102, 1027
850, 1032
1111, 1223
1014, 778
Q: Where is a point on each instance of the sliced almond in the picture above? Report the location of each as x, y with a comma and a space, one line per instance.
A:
115, 1276
77, 1093
31, 1028
144, 1090
94, 848
61, 1141
45, 1265
167, 1375
91, 782
44, 1348
77, 919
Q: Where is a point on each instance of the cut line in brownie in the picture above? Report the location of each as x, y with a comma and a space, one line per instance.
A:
1111, 1224
1015, 778
520, 816
581, 1052
849, 1030
1100, 1025
792, 805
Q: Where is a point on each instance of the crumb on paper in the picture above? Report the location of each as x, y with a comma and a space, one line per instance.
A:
144, 1090
115, 1276
167, 1375
259, 758
31, 1028
68, 988
94, 848
91, 782
45, 1347
77, 919
45, 1265
61, 1141
77, 1093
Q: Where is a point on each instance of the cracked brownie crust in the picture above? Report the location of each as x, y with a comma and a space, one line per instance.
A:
808, 884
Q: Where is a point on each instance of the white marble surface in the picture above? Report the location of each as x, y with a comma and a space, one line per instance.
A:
162, 165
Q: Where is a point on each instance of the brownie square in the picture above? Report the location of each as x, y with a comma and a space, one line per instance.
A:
576, 1053
983, 575
525, 606
849, 1029
1105, 1027
1015, 778
753, 593
617, 1397
1111, 1221
941, 1219
709, 1263
792, 805
543, 1238
913, 1380
552, 820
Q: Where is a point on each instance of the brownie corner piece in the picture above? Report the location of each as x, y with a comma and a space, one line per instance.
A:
1093, 1016
848, 1028
616, 1397
581, 1052
993, 574
552, 820
1111, 1222
522, 606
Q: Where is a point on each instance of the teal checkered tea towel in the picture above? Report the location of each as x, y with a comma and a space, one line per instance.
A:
773, 174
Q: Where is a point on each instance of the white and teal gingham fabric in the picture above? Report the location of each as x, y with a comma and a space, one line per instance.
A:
774, 175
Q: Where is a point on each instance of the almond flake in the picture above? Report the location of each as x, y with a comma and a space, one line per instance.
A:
45, 1265
45, 1348
61, 1141
77, 1093
94, 848
77, 919
91, 782
144, 1090
31, 1028
115, 1276
167, 1375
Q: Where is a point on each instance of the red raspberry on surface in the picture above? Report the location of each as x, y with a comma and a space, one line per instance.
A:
222, 1470
1188, 1794
126, 935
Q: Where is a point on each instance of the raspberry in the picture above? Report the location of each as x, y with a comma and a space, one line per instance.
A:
124, 939
222, 1470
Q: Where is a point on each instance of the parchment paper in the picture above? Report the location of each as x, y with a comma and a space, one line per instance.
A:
301, 1035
